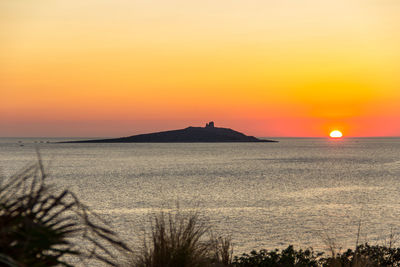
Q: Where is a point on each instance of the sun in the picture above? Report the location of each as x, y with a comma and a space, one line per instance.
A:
336, 134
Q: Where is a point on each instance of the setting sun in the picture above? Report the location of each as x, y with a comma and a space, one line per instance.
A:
336, 134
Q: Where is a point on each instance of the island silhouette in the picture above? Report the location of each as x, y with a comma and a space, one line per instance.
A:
207, 134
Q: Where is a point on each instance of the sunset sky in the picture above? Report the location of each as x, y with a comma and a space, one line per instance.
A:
263, 67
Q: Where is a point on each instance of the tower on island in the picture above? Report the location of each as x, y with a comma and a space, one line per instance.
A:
210, 124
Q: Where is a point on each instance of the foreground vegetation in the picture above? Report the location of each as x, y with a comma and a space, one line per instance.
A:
43, 227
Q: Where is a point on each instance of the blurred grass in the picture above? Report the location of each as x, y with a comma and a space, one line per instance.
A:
176, 240
41, 227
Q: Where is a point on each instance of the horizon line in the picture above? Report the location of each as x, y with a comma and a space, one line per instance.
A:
327, 136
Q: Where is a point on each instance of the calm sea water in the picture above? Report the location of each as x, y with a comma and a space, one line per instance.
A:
264, 195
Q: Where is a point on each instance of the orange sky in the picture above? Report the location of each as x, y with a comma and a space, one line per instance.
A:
267, 68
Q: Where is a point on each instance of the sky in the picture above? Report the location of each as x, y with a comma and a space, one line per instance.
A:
262, 67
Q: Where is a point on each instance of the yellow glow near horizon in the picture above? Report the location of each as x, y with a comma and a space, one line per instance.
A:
336, 134
265, 67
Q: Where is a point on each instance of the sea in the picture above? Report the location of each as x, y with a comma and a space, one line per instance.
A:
307, 192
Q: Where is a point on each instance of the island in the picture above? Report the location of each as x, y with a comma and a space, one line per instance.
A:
207, 134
